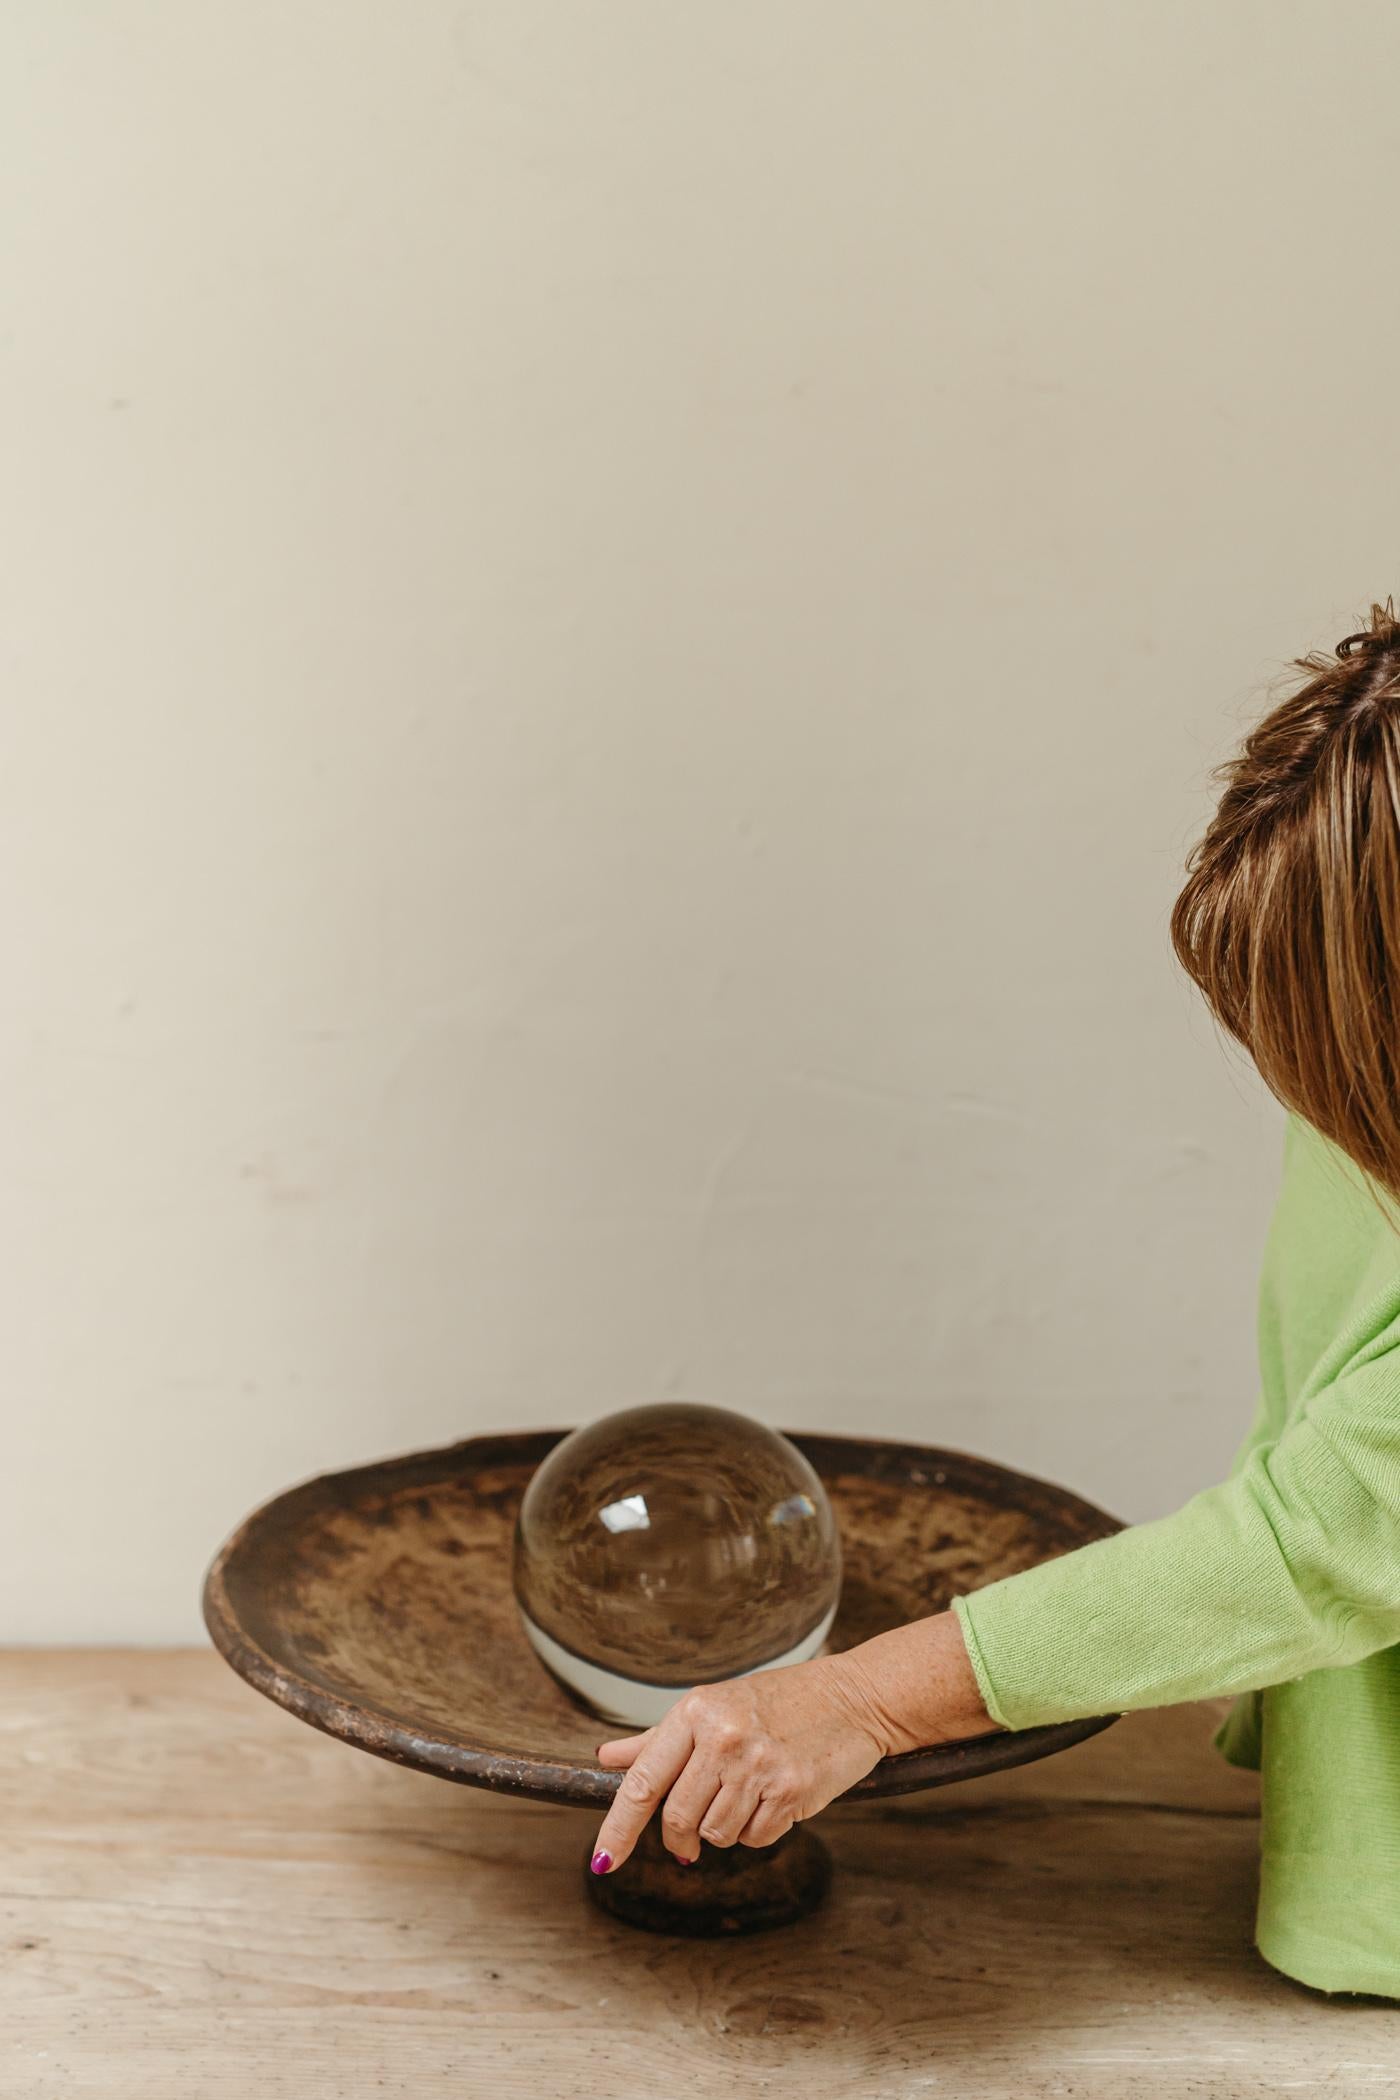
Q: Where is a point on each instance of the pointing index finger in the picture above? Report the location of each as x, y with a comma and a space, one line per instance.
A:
645, 1784
622, 1749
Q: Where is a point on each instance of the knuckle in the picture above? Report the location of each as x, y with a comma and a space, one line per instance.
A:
636, 1785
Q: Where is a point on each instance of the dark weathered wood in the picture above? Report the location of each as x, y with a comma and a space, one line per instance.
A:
720, 1895
377, 1603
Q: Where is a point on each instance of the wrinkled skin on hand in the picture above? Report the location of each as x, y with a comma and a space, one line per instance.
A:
739, 1763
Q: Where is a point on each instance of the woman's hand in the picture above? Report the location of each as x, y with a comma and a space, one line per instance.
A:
741, 1762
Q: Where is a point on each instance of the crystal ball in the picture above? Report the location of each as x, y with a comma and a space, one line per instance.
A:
669, 1546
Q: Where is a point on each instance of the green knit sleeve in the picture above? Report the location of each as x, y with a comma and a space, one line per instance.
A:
1292, 1565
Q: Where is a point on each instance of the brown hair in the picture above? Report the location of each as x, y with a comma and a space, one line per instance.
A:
1289, 922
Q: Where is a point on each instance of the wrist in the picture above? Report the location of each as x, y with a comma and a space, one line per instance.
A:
915, 1686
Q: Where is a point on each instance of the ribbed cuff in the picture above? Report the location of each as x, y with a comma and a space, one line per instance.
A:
978, 1660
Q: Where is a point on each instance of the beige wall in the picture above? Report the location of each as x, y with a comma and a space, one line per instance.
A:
614, 616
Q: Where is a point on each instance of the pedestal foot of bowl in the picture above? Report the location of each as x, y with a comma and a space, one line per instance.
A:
728, 1890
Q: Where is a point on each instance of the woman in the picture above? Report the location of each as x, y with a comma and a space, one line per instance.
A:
1282, 1585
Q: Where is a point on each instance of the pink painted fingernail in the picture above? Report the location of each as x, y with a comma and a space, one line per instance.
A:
601, 1863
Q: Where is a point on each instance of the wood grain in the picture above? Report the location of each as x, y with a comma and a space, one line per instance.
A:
202, 1899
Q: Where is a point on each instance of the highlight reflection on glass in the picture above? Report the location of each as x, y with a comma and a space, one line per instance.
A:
630, 1514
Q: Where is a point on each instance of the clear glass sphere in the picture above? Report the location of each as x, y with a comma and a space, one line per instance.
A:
669, 1546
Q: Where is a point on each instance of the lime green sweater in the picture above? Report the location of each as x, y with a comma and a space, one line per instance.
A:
1281, 1585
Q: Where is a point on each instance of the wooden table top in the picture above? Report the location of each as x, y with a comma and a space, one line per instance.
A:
203, 1899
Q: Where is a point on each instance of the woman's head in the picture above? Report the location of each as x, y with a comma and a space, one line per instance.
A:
1290, 918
